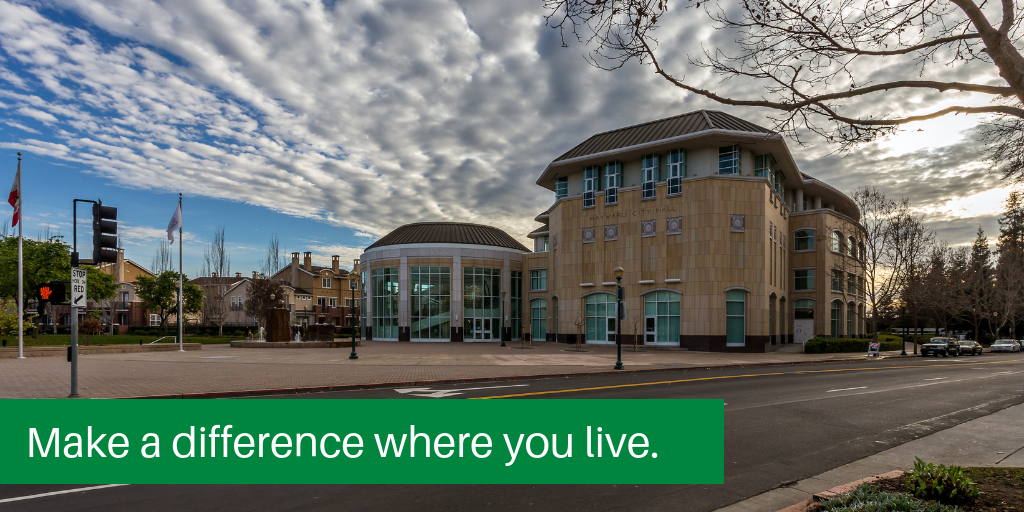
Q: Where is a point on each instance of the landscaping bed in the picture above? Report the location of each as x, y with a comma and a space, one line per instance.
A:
999, 489
116, 339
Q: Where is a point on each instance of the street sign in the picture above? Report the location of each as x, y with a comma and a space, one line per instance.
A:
78, 287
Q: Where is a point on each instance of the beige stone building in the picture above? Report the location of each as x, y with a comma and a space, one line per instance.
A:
724, 244
317, 294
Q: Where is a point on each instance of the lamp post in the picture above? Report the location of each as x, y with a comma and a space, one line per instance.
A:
353, 283
618, 316
501, 321
903, 339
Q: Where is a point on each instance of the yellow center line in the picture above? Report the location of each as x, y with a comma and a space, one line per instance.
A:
616, 386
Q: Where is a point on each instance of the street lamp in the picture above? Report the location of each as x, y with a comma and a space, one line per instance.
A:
501, 321
353, 283
903, 319
618, 316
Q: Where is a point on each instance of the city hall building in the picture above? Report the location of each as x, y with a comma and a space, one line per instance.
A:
724, 244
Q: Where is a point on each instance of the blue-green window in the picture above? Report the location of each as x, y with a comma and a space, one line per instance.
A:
385, 303
804, 279
516, 304
676, 171
430, 305
561, 187
539, 319
661, 317
538, 279
589, 185
837, 313
803, 240
729, 159
600, 311
649, 171
735, 318
612, 182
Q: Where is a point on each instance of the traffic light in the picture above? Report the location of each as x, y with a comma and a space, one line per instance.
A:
104, 233
53, 292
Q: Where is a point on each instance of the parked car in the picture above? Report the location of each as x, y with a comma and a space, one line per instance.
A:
971, 348
1005, 346
945, 346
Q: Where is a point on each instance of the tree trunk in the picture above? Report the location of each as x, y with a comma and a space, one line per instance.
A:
220, 330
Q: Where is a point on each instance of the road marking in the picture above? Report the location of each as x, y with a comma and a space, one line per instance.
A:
55, 493
616, 386
217, 357
1004, 373
846, 389
937, 378
444, 393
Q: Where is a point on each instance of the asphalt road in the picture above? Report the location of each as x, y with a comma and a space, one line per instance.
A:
783, 423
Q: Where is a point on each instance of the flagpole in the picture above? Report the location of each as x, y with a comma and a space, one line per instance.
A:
181, 298
21, 270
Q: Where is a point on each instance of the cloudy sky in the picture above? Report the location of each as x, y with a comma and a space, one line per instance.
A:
331, 123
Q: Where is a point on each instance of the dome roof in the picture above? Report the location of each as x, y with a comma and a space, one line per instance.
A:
449, 233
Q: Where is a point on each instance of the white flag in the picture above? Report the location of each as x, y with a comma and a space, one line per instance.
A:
15, 197
174, 224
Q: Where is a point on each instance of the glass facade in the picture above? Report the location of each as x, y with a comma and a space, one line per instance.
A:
385, 303
539, 319
481, 299
735, 318
600, 310
430, 303
676, 171
516, 304
661, 313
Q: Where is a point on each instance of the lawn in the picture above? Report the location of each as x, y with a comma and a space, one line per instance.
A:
1001, 489
106, 339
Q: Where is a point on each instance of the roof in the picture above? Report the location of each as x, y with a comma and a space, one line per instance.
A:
684, 124
207, 281
449, 233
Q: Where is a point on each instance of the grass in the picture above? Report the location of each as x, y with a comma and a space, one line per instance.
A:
117, 339
870, 498
1000, 490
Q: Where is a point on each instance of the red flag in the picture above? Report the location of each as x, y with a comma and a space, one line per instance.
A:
15, 198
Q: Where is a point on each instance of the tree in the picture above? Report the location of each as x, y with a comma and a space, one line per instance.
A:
258, 298
1010, 264
160, 294
979, 285
163, 261
9, 317
272, 262
816, 62
889, 231
216, 260
45, 261
215, 308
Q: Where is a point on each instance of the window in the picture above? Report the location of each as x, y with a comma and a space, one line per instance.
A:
348, 302
321, 301
851, 248
538, 280
661, 317
516, 304
430, 310
729, 159
384, 282
612, 182
777, 182
600, 310
762, 166
803, 309
735, 318
649, 169
837, 313
676, 171
851, 284
539, 319
561, 187
803, 240
154, 320
481, 302
837, 281
123, 319
849, 319
589, 185
540, 244
325, 282
837, 242
332, 302
804, 279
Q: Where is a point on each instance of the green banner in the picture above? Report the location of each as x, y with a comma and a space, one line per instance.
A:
362, 441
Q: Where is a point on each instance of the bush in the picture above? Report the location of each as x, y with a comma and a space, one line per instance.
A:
872, 499
820, 345
948, 484
90, 325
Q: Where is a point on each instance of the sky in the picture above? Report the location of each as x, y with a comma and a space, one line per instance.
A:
328, 124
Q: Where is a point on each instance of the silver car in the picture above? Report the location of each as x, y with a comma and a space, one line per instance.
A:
1005, 346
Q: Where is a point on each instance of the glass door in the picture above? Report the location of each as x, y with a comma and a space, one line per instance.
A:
651, 330
611, 330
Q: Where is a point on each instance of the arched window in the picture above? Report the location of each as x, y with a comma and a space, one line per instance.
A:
735, 318
539, 319
803, 309
661, 317
837, 314
849, 320
851, 248
771, 319
600, 310
837, 242
803, 240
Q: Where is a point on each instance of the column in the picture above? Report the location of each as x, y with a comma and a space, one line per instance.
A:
799, 200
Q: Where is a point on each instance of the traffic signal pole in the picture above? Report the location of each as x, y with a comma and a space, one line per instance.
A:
74, 352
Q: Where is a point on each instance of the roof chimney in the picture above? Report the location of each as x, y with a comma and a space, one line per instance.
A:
335, 263
254, 275
214, 274
238, 275
307, 261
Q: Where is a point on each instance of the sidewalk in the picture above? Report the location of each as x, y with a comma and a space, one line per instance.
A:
980, 442
220, 368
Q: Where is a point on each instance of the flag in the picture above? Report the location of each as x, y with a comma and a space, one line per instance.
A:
15, 198
174, 224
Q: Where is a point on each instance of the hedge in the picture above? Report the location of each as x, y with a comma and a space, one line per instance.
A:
819, 345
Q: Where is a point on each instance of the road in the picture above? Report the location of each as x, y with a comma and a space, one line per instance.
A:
783, 423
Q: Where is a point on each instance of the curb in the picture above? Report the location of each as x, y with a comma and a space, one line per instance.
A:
811, 504
352, 387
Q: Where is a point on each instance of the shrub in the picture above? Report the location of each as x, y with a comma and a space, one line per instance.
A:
820, 345
869, 498
90, 325
948, 484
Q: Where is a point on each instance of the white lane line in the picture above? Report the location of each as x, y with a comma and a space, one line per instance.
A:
937, 378
845, 389
438, 393
1004, 373
55, 493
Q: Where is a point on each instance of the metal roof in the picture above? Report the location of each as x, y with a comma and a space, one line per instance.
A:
449, 233
691, 122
